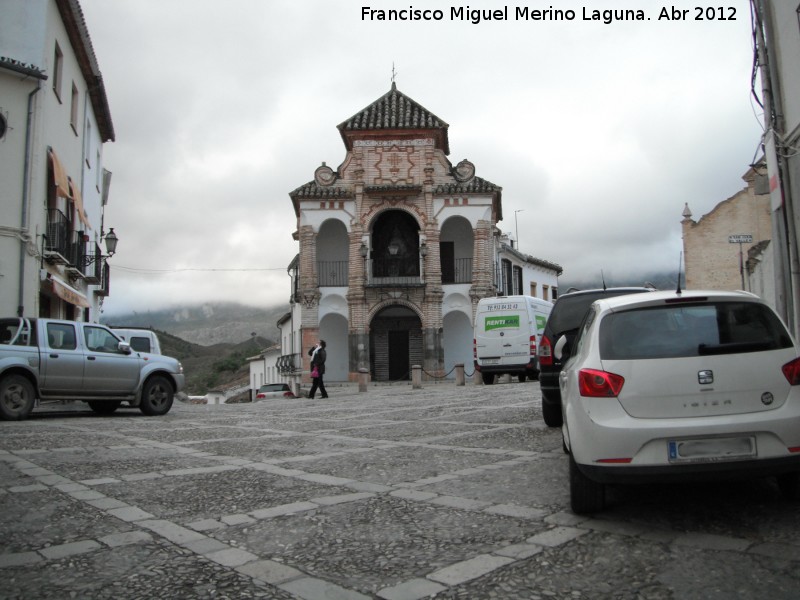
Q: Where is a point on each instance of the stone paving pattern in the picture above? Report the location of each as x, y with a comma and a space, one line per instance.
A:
395, 493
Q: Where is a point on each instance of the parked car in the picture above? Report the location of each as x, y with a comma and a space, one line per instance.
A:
670, 386
274, 390
140, 339
565, 318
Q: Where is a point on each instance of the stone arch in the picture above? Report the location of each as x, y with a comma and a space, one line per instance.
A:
456, 250
393, 302
395, 341
376, 210
333, 329
457, 341
332, 250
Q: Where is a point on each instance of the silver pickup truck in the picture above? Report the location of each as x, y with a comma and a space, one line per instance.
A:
44, 360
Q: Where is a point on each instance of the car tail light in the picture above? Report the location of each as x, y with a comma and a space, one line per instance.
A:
474, 349
288, 395
599, 384
791, 371
545, 352
533, 345
261, 396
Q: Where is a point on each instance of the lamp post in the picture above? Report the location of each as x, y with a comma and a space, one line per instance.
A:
111, 240
516, 226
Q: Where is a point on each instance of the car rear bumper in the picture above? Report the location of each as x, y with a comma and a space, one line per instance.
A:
610, 445
716, 471
532, 366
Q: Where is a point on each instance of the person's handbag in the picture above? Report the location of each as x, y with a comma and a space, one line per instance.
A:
315, 372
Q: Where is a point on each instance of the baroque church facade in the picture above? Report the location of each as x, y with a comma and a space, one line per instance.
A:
396, 247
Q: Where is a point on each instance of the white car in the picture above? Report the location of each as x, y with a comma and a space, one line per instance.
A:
672, 386
274, 390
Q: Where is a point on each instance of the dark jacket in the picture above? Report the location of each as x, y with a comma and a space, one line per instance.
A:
318, 359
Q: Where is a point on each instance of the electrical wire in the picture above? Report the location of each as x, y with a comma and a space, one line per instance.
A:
145, 271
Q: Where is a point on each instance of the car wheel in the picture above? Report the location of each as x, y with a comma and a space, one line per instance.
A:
488, 378
17, 397
522, 377
586, 496
789, 485
104, 407
552, 414
157, 396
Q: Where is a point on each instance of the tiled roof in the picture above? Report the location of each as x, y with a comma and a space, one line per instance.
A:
393, 110
78, 32
313, 190
476, 185
546, 264
20, 67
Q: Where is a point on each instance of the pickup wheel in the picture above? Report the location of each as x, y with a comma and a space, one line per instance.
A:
157, 396
104, 407
17, 396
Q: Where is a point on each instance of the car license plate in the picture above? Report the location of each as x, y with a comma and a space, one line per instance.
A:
712, 449
491, 361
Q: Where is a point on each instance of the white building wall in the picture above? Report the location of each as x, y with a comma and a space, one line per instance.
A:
29, 32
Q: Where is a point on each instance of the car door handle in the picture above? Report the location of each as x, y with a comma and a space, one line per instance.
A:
54, 356
91, 357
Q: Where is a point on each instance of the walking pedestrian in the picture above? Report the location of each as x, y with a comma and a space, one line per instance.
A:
318, 356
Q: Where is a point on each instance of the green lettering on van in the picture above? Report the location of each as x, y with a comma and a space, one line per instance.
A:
511, 321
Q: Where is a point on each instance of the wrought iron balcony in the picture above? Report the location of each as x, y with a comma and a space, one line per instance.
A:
457, 271
57, 241
393, 272
288, 363
332, 273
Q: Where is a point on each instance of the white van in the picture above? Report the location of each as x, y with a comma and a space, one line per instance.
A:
507, 332
140, 340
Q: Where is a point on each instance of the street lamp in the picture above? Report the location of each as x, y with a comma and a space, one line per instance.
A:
516, 226
111, 240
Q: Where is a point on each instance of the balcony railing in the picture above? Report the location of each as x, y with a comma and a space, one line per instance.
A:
57, 242
92, 268
332, 273
393, 272
288, 363
459, 271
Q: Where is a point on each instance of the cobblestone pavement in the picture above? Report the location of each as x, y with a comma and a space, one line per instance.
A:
396, 493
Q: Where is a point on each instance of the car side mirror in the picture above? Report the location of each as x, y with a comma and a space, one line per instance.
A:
124, 347
562, 349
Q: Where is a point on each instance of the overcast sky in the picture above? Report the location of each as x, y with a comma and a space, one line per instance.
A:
598, 133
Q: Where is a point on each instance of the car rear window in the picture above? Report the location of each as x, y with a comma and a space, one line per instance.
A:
685, 330
568, 311
274, 387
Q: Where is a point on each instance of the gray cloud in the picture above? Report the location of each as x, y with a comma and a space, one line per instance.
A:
597, 133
